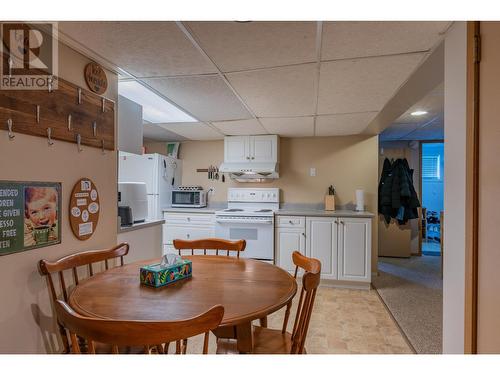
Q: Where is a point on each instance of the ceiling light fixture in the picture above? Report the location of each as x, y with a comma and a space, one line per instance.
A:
419, 113
155, 109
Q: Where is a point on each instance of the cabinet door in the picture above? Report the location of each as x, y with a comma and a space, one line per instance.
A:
321, 240
264, 148
289, 240
354, 249
236, 149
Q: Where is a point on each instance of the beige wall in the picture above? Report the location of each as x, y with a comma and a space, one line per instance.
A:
455, 74
26, 322
146, 243
348, 163
488, 313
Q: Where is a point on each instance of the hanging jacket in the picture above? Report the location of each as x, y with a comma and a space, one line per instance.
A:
397, 196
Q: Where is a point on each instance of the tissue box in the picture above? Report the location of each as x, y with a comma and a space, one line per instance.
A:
155, 275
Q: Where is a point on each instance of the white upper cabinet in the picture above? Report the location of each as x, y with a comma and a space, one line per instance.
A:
248, 149
236, 149
264, 148
130, 126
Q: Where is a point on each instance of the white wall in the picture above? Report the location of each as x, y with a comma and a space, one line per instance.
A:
454, 189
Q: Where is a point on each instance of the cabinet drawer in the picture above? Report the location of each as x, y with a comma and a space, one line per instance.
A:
292, 222
172, 232
189, 219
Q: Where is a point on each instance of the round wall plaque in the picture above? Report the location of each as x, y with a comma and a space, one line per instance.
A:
84, 209
96, 79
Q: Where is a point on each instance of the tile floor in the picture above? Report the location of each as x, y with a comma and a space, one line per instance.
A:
343, 321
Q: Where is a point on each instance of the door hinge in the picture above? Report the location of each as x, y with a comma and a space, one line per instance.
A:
477, 49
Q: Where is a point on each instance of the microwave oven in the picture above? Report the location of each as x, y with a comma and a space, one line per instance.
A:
185, 197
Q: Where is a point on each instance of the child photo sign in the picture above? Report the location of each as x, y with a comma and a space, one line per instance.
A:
30, 215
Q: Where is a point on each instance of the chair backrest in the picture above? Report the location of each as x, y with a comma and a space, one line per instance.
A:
307, 264
310, 283
120, 333
217, 244
73, 261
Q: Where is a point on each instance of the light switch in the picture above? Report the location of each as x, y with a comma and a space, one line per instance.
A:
312, 172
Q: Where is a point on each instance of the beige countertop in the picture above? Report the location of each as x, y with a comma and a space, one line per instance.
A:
144, 224
319, 212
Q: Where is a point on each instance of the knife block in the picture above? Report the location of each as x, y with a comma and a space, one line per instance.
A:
329, 202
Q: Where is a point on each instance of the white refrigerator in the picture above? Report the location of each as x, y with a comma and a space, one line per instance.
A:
160, 173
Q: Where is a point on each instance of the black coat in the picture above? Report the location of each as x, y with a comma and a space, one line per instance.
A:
396, 193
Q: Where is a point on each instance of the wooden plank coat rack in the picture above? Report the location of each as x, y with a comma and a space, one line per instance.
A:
70, 114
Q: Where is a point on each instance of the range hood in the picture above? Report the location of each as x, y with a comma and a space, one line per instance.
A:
251, 172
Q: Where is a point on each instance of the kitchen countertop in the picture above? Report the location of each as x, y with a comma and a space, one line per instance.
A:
144, 224
203, 210
319, 212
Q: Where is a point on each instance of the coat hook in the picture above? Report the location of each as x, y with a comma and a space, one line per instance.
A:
50, 80
79, 95
94, 128
37, 114
49, 136
102, 145
103, 104
79, 142
9, 125
69, 122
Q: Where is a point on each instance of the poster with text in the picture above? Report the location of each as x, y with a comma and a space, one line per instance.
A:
30, 215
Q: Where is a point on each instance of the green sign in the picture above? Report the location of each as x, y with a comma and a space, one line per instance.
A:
30, 215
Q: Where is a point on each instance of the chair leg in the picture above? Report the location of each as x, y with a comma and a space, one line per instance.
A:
263, 322
287, 315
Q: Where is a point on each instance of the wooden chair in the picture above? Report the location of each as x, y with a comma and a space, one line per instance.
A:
118, 333
73, 261
217, 244
273, 341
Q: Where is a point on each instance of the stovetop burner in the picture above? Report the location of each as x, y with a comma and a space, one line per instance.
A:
264, 210
233, 210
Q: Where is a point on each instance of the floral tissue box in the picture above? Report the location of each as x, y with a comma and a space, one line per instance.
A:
157, 275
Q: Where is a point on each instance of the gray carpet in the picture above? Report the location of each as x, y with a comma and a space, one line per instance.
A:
412, 289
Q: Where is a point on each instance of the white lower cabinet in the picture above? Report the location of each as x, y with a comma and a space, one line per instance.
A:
186, 227
342, 245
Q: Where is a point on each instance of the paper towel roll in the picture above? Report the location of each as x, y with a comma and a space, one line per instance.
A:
360, 200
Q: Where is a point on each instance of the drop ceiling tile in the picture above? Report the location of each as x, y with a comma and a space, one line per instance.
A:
196, 131
144, 49
240, 127
343, 40
361, 85
157, 133
398, 131
241, 46
289, 126
433, 103
343, 124
278, 92
207, 98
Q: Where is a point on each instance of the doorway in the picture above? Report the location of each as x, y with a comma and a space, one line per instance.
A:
432, 192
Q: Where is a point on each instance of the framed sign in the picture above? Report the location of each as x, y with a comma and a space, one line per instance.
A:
30, 215
84, 209
96, 79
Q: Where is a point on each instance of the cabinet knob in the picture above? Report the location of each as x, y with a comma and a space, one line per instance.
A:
342, 222
187, 235
304, 234
253, 157
290, 221
189, 219
248, 157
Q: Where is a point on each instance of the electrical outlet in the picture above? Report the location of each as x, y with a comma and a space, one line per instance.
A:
312, 172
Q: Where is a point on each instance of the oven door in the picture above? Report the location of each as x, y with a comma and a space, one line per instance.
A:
258, 234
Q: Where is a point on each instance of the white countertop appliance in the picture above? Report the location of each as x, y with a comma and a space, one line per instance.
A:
250, 216
134, 195
160, 173
189, 196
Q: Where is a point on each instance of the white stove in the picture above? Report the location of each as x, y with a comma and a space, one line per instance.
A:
250, 216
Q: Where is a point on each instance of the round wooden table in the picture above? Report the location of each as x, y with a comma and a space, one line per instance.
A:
248, 289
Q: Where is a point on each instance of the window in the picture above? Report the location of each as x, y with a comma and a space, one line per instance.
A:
431, 167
